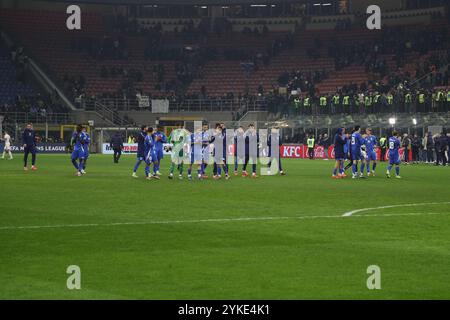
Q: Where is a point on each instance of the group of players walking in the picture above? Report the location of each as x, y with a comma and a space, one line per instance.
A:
360, 149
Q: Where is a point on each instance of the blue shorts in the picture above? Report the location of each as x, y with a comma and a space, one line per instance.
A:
356, 155
372, 156
78, 154
394, 159
158, 154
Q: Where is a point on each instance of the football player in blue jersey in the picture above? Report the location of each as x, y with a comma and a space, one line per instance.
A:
358, 152
140, 150
370, 142
340, 140
394, 156
150, 155
78, 142
159, 138
86, 149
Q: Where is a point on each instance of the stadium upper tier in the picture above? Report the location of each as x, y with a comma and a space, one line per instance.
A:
12, 78
116, 57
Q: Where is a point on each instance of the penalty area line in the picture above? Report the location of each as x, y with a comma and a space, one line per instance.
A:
136, 223
351, 213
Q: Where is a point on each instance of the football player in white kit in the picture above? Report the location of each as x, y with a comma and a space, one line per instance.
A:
7, 147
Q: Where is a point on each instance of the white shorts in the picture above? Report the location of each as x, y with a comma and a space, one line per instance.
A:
7, 147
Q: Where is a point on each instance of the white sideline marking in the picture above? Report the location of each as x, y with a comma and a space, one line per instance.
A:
350, 213
56, 226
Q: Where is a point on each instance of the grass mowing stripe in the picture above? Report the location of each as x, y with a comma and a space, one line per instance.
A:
216, 220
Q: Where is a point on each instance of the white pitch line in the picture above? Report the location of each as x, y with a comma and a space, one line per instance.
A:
57, 226
350, 213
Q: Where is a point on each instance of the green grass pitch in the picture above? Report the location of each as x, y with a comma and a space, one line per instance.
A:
138, 239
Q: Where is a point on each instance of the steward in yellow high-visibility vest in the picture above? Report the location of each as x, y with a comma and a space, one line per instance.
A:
356, 100
448, 96
376, 98
421, 98
408, 98
323, 101
346, 101
310, 142
440, 96
368, 101
297, 102
336, 99
390, 99
306, 102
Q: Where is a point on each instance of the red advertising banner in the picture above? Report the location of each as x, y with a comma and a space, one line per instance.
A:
300, 151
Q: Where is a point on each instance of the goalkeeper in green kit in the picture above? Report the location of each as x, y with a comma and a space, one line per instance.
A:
179, 140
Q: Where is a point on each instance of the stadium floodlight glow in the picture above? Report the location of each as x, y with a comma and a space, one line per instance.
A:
258, 5
204, 7
392, 121
317, 4
414, 121
326, 4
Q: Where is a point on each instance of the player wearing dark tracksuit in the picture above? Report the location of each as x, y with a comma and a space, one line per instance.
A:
29, 146
141, 149
117, 145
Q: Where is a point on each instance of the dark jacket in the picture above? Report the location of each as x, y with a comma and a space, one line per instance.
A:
116, 142
29, 137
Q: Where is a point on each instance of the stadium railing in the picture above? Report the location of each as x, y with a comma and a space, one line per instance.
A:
187, 105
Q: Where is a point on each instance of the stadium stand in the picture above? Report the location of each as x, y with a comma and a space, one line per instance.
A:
12, 77
286, 72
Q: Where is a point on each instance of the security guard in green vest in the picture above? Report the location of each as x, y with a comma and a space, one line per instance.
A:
368, 102
346, 103
336, 102
421, 102
356, 102
310, 142
297, 104
376, 101
390, 99
440, 99
323, 104
307, 104
433, 100
408, 101
383, 147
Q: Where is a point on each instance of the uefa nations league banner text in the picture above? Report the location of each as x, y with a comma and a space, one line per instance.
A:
41, 148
